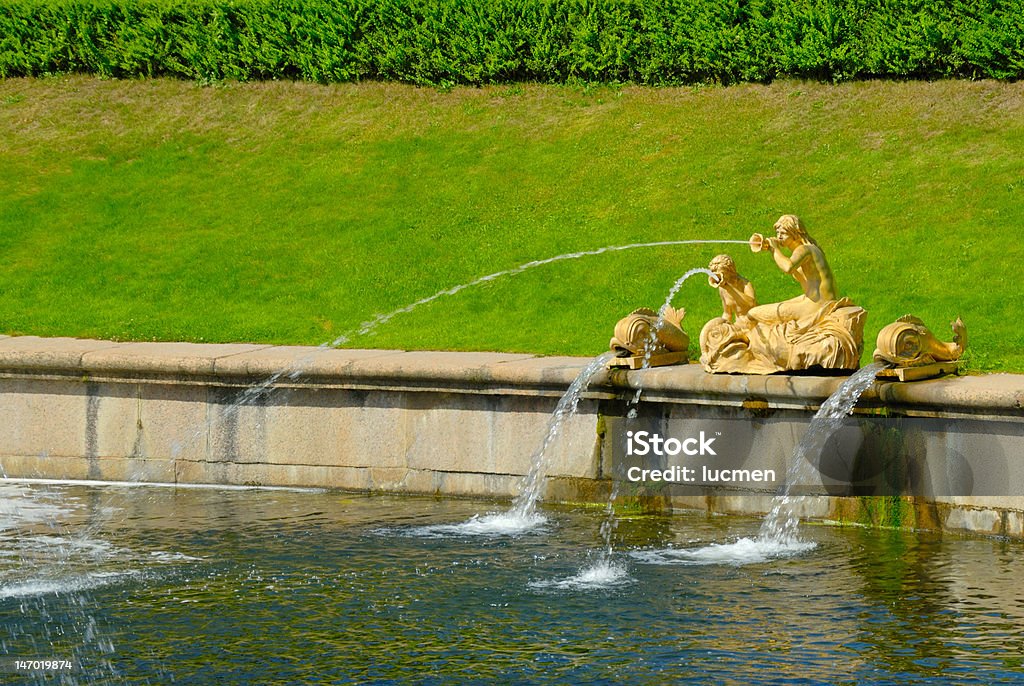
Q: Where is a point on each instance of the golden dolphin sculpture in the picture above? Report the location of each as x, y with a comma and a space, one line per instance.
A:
907, 342
643, 331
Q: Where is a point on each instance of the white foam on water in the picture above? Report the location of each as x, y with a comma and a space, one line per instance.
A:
494, 524
745, 551
42, 556
67, 546
21, 506
33, 588
602, 574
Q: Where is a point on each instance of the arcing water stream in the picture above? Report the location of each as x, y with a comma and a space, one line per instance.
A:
368, 326
257, 391
605, 571
522, 515
654, 329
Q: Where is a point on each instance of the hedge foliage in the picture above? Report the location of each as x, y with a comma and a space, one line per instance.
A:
443, 42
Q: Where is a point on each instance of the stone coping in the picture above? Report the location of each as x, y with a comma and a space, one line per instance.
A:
992, 394
995, 394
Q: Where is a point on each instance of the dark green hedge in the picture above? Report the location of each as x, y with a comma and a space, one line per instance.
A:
485, 41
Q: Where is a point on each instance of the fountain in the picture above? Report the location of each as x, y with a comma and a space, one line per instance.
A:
816, 331
199, 560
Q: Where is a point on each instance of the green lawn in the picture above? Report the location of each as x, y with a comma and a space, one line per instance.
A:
290, 212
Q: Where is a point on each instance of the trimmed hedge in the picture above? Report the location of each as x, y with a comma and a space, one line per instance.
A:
444, 42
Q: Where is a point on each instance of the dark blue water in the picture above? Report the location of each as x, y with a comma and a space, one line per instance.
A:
159, 586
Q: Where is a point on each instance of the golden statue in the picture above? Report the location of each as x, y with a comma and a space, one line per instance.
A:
806, 263
817, 329
736, 292
644, 338
914, 351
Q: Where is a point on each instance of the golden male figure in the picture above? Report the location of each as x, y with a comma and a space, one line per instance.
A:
737, 293
806, 263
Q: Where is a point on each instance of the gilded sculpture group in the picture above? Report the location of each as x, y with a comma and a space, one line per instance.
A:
817, 329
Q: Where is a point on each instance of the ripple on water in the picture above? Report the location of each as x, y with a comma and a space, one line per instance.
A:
316, 578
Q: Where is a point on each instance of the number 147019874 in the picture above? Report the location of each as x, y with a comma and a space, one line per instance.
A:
20, 665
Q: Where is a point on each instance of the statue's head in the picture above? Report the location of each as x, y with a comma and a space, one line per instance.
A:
789, 228
724, 270
723, 264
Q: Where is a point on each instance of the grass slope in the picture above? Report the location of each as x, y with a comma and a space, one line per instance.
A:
289, 212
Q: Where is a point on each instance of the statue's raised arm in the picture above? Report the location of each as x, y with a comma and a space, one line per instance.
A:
806, 263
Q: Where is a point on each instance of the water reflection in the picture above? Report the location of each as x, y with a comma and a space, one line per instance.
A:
260, 587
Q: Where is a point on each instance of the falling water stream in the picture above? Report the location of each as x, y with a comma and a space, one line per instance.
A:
522, 516
780, 525
778, 534
525, 503
605, 570
649, 351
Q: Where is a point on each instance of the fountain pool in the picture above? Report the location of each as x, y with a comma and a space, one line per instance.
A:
168, 585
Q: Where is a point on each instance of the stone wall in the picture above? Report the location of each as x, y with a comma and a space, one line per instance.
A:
458, 424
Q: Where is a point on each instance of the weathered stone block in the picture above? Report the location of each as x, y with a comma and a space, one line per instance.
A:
42, 417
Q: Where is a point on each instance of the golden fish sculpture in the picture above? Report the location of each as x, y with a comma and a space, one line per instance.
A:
644, 338
914, 352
